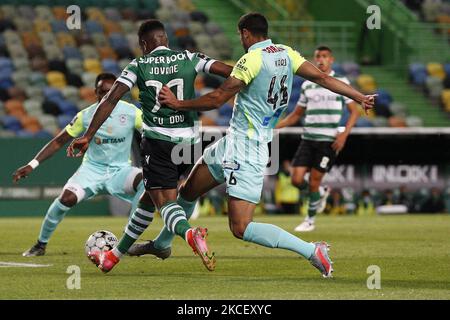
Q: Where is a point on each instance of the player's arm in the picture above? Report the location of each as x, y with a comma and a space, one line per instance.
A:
308, 71
46, 152
213, 100
221, 69
292, 118
341, 138
104, 109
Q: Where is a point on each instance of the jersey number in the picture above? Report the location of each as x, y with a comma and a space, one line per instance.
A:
283, 92
158, 86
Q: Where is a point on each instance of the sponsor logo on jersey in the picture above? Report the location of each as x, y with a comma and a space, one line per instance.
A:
241, 65
123, 119
109, 140
273, 49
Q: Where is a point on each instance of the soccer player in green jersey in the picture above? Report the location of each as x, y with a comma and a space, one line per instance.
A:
321, 140
164, 130
262, 80
106, 167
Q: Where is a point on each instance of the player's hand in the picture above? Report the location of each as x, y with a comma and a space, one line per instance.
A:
81, 144
368, 102
22, 172
167, 98
339, 143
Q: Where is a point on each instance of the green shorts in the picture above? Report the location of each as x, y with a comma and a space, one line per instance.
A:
241, 163
90, 180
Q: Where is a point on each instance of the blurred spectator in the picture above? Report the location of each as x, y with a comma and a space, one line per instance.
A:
366, 205
435, 202
388, 198
335, 203
286, 194
405, 197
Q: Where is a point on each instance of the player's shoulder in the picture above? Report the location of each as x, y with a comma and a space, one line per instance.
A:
127, 107
341, 77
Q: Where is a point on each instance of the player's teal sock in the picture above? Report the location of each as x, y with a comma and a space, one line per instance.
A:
55, 214
314, 199
139, 221
271, 236
175, 219
165, 237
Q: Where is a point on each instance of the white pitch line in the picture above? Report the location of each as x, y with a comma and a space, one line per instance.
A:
22, 265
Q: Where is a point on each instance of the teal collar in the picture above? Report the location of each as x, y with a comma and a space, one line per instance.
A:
261, 44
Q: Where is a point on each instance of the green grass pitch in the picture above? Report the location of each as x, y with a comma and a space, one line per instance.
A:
413, 253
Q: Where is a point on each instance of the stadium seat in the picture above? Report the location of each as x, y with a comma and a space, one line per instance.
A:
42, 26
92, 65
56, 79
89, 52
112, 14
366, 83
71, 94
112, 27
107, 52
30, 124
64, 120
60, 13
14, 106
59, 26
110, 65
74, 66
93, 27
88, 94
43, 12
71, 52
65, 39
434, 86
11, 123
436, 70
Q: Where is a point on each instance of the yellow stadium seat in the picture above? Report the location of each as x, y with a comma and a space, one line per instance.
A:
92, 65
436, 70
42, 26
56, 79
445, 95
366, 83
65, 39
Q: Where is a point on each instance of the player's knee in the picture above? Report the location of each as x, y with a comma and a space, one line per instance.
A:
238, 229
297, 180
68, 199
183, 191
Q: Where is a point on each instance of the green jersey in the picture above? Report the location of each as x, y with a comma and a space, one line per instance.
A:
177, 70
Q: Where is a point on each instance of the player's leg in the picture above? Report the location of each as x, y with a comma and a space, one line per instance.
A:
240, 214
53, 217
198, 183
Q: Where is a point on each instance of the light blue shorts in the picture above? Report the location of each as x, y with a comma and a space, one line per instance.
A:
90, 180
241, 163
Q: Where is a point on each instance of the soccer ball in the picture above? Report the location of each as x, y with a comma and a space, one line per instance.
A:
101, 240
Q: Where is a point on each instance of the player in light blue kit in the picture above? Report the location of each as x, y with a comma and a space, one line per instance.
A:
106, 167
262, 80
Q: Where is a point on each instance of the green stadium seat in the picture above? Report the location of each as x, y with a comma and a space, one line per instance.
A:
71, 94
99, 39
89, 79
75, 66
44, 12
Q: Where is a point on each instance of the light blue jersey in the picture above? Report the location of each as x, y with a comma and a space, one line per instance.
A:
267, 70
240, 158
111, 145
